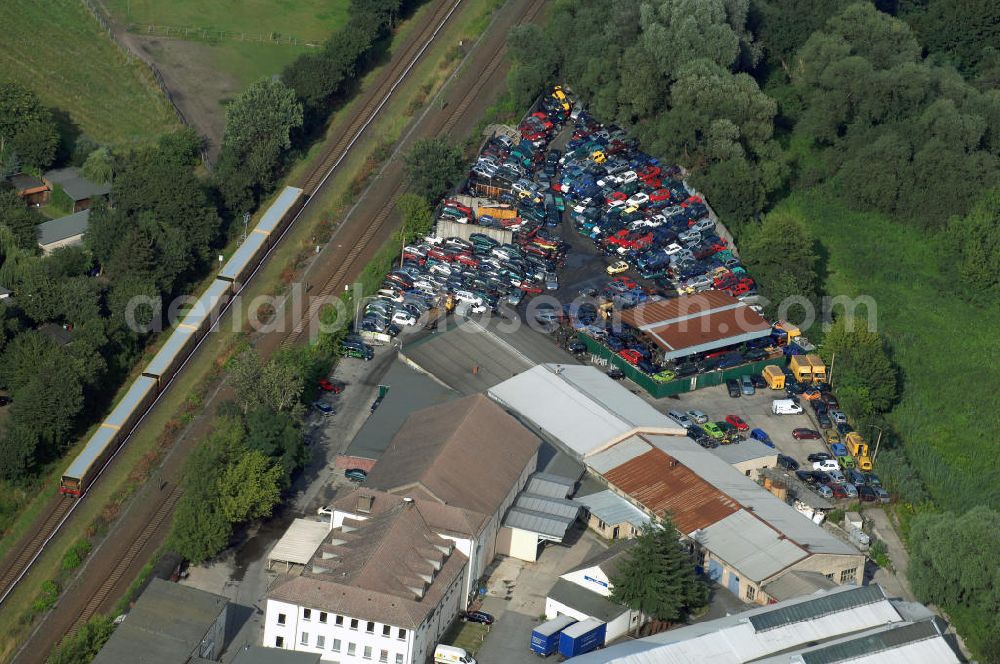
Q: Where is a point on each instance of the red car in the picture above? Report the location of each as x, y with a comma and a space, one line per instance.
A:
530, 288
616, 196
464, 209
629, 282
737, 422
466, 259
408, 255
439, 254
327, 386
648, 172
660, 195
805, 434
631, 356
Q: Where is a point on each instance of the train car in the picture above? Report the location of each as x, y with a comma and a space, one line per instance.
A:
108, 437
270, 227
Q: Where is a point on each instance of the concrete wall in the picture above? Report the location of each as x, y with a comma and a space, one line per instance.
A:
752, 467
211, 645
592, 578
831, 566
453, 229
523, 545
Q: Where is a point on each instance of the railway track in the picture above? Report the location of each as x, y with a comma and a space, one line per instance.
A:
336, 281
377, 98
331, 158
125, 561
27, 555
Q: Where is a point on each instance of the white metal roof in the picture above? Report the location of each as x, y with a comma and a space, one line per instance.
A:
286, 199
751, 495
552, 486
748, 450
544, 524
734, 640
299, 543
750, 545
579, 406
619, 454
168, 351
241, 257
612, 509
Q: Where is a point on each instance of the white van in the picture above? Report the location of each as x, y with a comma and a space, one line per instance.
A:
785, 407
452, 655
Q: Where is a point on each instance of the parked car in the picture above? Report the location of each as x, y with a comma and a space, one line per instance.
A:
734, 388
819, 456
617, 267
480, 617
787, 462
698, 416
713, 430
761, 435
356, 474
324, 408
737, 423
805, 434
746, 386
804, 475
866, 494
680, 418
325, 385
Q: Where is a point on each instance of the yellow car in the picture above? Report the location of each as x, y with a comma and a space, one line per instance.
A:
599, 157
617, 268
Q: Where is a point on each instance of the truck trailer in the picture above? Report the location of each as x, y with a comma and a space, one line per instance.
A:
545, 637
582, 637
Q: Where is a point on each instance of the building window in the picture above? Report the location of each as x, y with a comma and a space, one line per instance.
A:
829, 576
320, 641
281, 618
370, 627
354, 624
307, 614
386, 630
279, 642
399, 658
751, 593
336, 645
322, 616
747, 473
351, 648
339, 621
402, 634
304, 640
368, 653
849, 575
383, 656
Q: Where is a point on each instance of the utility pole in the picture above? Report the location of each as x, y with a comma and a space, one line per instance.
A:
877, 441
246, 222
829, 378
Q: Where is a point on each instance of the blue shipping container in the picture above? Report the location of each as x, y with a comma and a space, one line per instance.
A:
545, 637
582, 637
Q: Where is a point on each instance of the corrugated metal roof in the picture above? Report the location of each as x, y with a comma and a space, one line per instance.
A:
299, 543
817, 607
585, 601
241, 257
750, 546
661, 484
612, 509
747, 450
169, 350
552, 486
579, 406
286, 200
796, 584
751, 495
63, 228
556, 506
618, 454
549, 525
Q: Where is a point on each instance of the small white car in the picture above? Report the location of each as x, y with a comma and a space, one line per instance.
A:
827, 466
638, 199
404, 318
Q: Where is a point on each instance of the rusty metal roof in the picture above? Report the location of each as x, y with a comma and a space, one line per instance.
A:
662, 484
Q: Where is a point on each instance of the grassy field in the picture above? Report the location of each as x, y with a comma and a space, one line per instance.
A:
943, 345
58, 50
233, 29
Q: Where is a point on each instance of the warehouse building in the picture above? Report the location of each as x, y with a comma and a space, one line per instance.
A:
611, 516
860, 625
579, 408
745, 538
698, 323
169, 624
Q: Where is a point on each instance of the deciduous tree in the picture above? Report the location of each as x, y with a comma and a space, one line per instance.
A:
433, 166
26, 126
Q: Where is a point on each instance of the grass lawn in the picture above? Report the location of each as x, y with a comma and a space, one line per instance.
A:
944, 346
469, 636
309, 20
58, 50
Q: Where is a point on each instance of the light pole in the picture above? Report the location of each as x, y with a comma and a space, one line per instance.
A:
877, 441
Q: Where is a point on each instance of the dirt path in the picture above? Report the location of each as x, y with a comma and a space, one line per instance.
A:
145, 504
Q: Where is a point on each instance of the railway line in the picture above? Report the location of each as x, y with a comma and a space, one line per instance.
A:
359, 236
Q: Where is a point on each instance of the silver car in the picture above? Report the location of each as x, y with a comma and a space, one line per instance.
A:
551, 281
698, 416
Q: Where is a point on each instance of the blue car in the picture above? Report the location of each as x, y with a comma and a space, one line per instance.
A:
759, 434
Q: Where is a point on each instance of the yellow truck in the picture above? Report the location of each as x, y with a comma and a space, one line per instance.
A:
774, 377
808, 369
858, 447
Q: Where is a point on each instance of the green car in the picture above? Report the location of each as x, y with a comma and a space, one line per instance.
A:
364, 353
560, 203
664, 376
846, 462
713, 430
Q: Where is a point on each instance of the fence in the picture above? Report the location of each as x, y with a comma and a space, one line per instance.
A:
212, 35
679, 385
103, 18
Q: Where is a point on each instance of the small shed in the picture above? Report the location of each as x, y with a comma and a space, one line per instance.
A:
33, 191
79, 189
63, 232
299, 543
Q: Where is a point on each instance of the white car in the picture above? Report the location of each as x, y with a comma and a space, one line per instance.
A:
638, 199
689, 237
838, 417
404, 318
702, 225
673, 248
698, 416
628, 177
785, 407
826, 466
441, 269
